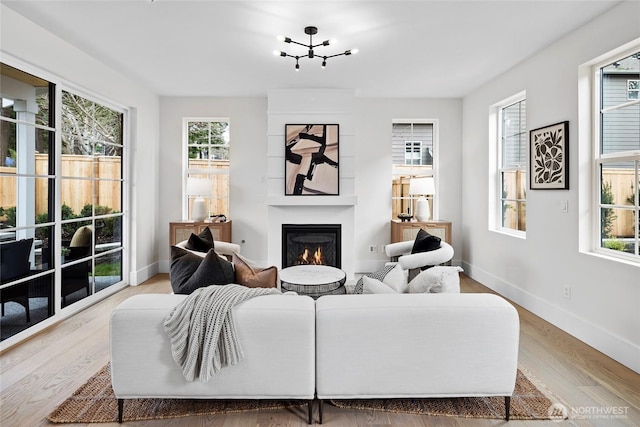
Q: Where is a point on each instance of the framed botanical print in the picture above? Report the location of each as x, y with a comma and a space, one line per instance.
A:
549, 157
312, 160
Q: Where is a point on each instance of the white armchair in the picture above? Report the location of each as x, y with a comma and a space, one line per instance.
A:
401, 252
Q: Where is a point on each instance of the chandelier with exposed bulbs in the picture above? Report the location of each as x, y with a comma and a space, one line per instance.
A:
311, 31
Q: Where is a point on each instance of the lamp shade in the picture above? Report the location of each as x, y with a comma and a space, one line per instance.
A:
422, 186
199, 187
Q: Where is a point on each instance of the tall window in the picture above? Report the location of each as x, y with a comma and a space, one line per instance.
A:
92, 199
617, 160
61, 174
206, 142
512, 169
413, 150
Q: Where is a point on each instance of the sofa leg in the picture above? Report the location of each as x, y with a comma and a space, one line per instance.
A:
120, 409
507, 406
320, 407
310, 411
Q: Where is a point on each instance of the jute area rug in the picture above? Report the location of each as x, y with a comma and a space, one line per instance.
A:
94, 402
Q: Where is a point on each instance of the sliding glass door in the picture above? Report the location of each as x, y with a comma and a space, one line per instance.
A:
62, 199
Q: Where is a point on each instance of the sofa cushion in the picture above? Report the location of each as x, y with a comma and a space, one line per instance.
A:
201, 242
254, 277
439, 279
425, 242
189, 271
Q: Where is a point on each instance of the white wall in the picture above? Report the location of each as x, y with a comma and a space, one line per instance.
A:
248, 136
604, 308
28, 46
249, 159
373, 166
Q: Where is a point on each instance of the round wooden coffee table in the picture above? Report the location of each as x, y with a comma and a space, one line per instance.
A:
313, 280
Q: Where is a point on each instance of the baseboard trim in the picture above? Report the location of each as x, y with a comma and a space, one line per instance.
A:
612, 345
143, 274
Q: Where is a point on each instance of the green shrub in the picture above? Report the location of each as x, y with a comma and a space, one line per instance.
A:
615, 245
10, 216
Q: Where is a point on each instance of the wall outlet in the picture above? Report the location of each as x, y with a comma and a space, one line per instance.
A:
373, 248
566, 291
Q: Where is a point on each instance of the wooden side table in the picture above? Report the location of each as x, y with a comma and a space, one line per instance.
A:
407, 230
181, 230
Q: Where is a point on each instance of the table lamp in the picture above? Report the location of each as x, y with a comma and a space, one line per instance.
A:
422, 187
200, 188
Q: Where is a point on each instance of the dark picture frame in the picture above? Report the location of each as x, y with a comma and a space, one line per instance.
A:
549, 157
312, 160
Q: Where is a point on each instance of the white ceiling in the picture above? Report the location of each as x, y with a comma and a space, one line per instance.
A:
222, 48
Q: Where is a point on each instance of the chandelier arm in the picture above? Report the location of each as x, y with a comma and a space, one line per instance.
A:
286, 55
298, 43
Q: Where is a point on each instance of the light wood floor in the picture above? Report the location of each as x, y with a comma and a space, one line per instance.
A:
36, 376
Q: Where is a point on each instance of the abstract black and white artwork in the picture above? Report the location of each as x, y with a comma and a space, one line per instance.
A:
549, 157
311, 160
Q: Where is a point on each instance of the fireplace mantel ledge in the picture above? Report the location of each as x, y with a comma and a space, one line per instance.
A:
312, 200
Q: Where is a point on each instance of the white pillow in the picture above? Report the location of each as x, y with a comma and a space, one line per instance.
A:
439, 279
375, 286
396, 279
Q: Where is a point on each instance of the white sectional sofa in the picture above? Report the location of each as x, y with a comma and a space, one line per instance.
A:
338, 347
277, 335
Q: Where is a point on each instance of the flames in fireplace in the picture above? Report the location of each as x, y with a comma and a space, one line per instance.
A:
306, 258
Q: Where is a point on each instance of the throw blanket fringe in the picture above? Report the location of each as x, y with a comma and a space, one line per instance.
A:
202, 330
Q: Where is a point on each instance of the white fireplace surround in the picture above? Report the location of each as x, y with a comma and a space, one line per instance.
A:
312, 106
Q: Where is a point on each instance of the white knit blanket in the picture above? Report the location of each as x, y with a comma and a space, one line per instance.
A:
202, 330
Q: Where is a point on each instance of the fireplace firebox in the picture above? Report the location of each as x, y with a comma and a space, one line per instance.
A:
311, 244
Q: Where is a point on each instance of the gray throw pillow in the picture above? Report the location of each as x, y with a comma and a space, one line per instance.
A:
189, 271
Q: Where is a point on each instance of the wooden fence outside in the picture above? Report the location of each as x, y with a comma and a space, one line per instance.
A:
621, 186
76, 190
